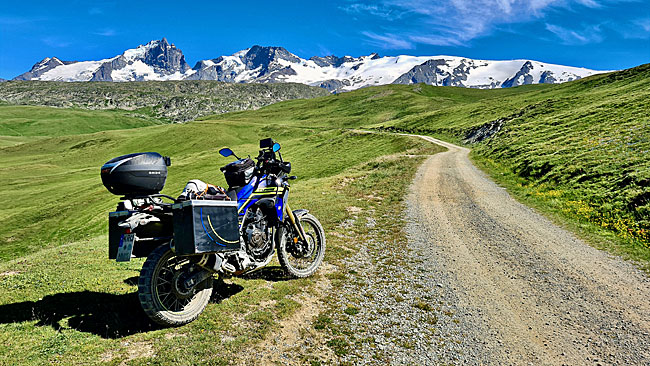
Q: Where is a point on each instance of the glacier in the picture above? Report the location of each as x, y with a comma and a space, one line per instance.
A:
160, 60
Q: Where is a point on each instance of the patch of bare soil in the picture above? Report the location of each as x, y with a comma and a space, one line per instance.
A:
295, 335
134, 351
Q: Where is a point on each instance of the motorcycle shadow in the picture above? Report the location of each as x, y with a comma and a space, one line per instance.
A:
106, 315
269, 273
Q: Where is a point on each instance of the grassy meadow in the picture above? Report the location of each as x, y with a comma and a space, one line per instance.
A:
27, 121
576, 151
62, 300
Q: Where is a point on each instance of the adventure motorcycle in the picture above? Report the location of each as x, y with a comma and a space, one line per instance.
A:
207, 231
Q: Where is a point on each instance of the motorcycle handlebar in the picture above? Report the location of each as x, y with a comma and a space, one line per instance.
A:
268, 162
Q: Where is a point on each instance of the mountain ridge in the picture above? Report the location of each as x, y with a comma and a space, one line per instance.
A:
166, 101
159, 60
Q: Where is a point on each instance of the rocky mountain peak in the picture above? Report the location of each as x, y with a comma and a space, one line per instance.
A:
336, 61
165, 58
42, 67
431, 73
327, 61
522, 77
547, 77
46, 63
262, 56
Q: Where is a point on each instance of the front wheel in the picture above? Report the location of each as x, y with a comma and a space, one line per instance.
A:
162, 293
298, 258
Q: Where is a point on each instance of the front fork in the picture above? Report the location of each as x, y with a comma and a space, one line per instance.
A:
296, 223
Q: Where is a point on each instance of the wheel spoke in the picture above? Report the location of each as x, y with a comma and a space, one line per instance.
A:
171, 305
305, 262
164, 301
160, 293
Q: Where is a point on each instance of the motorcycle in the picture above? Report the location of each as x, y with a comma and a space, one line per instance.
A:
207, 232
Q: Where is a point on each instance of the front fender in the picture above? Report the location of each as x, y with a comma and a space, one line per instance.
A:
300, 213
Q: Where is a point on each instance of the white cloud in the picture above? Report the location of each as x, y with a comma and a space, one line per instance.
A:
388, 41
382, 11
590, 3
636, 29
643, 24
323, 51
20, 20
106, 32
55, 42
590, 34
456, 22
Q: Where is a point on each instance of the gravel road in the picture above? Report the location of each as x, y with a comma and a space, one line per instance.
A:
522, 290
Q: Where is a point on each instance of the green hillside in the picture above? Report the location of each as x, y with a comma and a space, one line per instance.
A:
26, 121
381, 106
52, 194
580, 150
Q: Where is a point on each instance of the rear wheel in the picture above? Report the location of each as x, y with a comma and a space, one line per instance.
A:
162, 293
301, 259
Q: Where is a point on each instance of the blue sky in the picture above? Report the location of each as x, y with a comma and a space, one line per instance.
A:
599, 34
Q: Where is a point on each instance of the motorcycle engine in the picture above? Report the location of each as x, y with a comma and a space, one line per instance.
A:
258, 235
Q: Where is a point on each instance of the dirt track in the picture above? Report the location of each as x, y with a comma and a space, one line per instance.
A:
523, 290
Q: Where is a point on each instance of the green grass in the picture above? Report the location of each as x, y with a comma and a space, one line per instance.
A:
61, 198
69, 303
24, 121
423, 305
62, 300
15, 140
581, 148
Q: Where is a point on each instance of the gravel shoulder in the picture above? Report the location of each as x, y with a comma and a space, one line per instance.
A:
524, 291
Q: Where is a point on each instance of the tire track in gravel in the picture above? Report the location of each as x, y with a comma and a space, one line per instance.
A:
523, 290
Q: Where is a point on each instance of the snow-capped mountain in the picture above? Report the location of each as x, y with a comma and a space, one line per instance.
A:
158, 60
275, 64
456, 71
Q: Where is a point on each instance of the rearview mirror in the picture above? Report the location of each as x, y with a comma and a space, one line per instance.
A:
276, 147
226, 152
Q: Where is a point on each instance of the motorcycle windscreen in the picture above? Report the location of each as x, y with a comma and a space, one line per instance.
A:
204, 226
